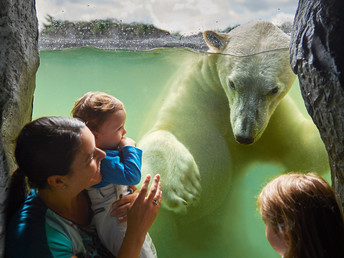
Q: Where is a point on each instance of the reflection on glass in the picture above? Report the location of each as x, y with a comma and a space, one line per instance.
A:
216, 126
143, 80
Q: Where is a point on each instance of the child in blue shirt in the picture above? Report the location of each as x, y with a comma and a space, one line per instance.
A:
105, 116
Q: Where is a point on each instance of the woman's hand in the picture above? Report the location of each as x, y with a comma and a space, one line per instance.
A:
144, 210
141, 215
121, 206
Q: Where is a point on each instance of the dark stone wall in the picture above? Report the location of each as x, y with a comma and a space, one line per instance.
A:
317, 57
19, 61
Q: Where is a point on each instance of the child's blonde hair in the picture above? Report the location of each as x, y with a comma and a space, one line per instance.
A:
94, 107
305, 209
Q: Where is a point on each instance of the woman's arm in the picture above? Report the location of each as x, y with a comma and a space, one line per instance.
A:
141, 216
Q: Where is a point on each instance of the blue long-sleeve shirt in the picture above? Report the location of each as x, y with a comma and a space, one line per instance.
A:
121, 167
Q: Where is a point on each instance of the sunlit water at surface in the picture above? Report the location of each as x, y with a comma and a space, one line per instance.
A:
139, 79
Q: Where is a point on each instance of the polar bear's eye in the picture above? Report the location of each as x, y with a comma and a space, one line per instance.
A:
231, 84
273, 91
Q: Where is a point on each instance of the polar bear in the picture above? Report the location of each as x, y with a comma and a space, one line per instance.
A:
227, 109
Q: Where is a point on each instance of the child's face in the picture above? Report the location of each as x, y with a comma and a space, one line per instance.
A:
111, 131
276, 240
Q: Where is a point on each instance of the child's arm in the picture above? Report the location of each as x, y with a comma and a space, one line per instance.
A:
122, 168
132, 162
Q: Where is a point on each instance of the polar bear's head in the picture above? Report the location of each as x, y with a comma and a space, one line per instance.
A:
253, 67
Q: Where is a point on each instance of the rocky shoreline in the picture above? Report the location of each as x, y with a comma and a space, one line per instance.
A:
112, 34
57, 43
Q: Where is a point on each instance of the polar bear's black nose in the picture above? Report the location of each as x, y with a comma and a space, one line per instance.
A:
244, 140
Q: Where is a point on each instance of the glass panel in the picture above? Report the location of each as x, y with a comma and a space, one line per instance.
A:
142, 80
226, 222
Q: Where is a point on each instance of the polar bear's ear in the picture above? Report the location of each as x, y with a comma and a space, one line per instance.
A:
216, 41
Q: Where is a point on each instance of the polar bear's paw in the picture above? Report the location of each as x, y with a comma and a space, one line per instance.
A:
180, 177
182, 189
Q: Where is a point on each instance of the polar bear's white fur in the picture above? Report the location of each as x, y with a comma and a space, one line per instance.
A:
226, 110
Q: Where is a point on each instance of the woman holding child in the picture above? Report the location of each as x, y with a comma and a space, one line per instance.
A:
59, 159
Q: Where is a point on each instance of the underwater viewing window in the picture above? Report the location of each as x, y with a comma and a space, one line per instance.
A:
229, 101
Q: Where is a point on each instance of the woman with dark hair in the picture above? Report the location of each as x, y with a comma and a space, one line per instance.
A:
58, 158
302, 216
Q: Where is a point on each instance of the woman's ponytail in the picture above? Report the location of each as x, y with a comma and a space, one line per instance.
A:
17, 193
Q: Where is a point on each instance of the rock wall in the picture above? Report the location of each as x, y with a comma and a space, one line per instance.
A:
317, 57
19, 61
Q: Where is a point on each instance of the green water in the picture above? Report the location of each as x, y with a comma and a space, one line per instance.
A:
139, 79
136, 78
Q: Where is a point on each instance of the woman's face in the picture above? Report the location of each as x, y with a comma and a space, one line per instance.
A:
85, 168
